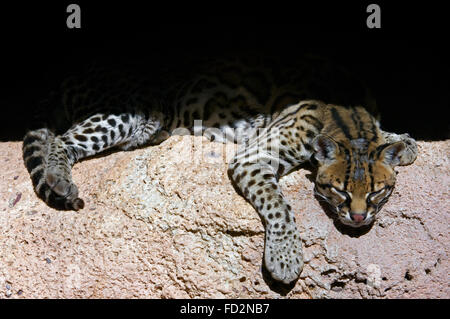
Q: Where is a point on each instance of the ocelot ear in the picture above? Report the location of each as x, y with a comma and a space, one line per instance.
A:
392, 153
325, 149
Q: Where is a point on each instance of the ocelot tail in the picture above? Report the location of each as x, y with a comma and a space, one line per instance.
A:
281, 114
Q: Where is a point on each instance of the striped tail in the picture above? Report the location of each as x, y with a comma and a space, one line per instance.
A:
36, 145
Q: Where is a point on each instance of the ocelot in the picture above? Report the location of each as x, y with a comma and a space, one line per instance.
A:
281, 113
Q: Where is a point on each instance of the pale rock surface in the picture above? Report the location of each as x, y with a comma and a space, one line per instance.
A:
166, 222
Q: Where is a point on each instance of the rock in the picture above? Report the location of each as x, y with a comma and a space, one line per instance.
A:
166, 222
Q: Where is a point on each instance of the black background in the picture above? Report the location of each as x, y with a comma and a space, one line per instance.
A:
405, 62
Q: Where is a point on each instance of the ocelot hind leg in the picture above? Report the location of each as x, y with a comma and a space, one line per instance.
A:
49, 159
41, 154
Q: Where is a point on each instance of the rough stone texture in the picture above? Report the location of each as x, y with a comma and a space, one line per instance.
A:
165, 222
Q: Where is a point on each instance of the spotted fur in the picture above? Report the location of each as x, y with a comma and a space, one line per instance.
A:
281, 116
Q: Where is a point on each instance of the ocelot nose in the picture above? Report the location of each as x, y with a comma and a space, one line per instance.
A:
358, 217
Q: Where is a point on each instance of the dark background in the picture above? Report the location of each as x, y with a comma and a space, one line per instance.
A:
405, 62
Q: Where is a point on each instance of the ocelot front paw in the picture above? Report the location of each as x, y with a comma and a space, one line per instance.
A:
410, 153
283, 252
63, 190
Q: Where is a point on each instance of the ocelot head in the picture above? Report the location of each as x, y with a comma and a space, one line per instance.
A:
355, 178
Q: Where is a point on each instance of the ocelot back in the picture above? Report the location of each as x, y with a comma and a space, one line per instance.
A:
280, 113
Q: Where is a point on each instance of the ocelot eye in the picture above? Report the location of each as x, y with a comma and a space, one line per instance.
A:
343, 194
381, 193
